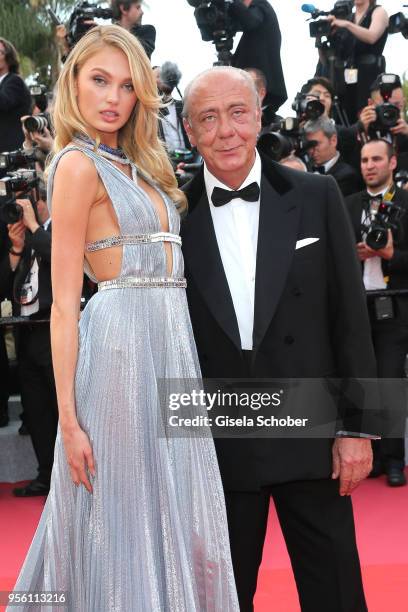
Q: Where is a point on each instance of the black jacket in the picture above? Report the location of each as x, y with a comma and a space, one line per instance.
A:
346, 177
310, 318
15, 101
260, 45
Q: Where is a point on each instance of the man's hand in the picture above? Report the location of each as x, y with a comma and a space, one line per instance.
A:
367, 116
352, 462
43, 139
400, 128
364, 252
16, 232
29, 220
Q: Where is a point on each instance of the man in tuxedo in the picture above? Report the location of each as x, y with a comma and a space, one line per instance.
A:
326, 157
260, 45
274, 291
385, 268
28, 268
15, 99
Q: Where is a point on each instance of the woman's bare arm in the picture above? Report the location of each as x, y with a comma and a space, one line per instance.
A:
75, 189
379, 23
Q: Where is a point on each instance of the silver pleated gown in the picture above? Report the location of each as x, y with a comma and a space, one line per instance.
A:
153, 535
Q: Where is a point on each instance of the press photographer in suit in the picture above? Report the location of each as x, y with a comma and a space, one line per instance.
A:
385, 268
274, 291
15, 99
260, 45
327, 158
28, 268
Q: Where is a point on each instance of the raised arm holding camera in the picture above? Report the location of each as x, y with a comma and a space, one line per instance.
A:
363, 53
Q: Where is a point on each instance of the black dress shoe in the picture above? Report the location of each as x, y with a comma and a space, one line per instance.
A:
396, 477
33, 489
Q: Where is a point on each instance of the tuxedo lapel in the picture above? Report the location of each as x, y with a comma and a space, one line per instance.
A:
203, 260
277, 235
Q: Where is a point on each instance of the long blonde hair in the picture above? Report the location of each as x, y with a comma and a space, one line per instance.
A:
139, 136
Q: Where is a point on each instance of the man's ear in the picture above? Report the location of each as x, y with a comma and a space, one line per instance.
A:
189, 132
393, 162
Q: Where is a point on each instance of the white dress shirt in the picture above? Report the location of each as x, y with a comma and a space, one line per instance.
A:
172, 132
31, 283
236, 229
3, 76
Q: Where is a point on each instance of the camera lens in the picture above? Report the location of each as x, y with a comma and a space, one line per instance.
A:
35, 123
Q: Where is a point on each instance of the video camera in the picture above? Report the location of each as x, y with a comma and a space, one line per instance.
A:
20, 179
288, 135
388, 114
216, 25
385, 215
398, 24
84, 12
343, 9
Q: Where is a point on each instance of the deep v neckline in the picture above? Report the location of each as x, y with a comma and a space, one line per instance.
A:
144, 194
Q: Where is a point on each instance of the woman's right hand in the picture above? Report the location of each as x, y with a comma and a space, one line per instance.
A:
79, 455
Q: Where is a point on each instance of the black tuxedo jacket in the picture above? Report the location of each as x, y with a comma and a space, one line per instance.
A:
397, 267
310, 316
40, 242
346, 177
15, 101
260, 45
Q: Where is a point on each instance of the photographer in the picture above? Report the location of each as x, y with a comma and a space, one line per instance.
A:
260, 45
327, 159
171, 129
385, 266
128, 14
364, 45
15, 99
29, 270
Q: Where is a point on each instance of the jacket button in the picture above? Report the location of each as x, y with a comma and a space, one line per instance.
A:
296, 291
289, 339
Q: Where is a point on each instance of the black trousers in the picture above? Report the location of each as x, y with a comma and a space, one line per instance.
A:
390, 339
38, 393
318, 527
4, 374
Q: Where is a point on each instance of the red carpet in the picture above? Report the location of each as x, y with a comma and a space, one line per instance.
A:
382, 531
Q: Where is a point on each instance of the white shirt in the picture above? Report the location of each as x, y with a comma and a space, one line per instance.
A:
32, 283
373, 276
236, 229
3, 76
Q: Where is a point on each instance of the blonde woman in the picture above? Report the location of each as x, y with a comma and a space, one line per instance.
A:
134, 520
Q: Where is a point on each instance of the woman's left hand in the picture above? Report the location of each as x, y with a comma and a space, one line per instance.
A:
338, 23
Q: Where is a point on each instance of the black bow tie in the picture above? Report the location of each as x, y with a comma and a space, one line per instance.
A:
220, 196
320, 169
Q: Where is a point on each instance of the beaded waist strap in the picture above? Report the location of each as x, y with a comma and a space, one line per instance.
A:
140, 281
114, 241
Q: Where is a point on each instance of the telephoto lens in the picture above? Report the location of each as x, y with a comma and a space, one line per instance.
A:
36, 123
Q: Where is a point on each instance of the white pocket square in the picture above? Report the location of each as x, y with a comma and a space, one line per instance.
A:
305, 242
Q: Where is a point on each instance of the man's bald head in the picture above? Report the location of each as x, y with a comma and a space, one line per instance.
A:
205, 79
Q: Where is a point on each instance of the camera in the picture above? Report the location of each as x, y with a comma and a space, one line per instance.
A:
83, 12
388, 114
37, 123
288, 135
385, 216
343, 9
13, 160
398, 24
216, 25
40, 96
15, 184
